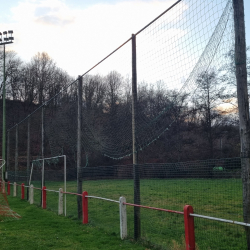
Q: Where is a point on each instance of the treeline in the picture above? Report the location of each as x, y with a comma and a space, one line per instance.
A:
172, 126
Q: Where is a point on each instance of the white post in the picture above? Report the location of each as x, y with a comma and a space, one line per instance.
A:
14, 189
123, 218
60, 202
31, 194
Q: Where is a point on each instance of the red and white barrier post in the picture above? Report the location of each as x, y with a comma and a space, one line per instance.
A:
14, 189
44, 197
22, 191
31, 194
8, 188
84, 207
60, 202
123, 218
189, 228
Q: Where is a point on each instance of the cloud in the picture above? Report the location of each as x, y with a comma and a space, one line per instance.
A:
54, 20
78, 38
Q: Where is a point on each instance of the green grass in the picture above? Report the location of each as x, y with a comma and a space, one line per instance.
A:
41, 229
213, 197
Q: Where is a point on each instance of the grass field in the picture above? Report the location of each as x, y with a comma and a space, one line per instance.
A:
214, 197
41, 229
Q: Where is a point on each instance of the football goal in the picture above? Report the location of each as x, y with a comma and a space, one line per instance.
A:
49, 172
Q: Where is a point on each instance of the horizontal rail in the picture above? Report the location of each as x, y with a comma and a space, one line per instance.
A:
71, 193
222, 220
154, 208
51, 190
36, 188
101, 198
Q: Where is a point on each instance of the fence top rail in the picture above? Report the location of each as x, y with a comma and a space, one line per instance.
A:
71, 193
154, 208
222, 220
101, 198
51, 190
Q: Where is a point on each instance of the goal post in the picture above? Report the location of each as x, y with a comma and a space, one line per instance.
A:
43, 170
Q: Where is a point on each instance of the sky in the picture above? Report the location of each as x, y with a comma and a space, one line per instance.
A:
79, 33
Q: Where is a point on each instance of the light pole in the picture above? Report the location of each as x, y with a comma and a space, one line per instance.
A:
6, 39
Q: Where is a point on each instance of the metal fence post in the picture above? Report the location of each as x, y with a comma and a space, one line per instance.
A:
16, 153
123, 218
137, 220
79, 148
28, 156
8, 155
189, 228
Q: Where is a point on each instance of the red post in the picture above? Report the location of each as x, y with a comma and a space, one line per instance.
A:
189, 228
44, 198
22, 191
84, 207
8, 188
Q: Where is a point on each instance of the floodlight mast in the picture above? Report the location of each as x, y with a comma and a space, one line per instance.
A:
7, 39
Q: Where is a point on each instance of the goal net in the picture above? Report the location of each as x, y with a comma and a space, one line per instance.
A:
49, 172
5, 212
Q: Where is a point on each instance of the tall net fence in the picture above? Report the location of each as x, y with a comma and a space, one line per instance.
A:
184, 72
181, 63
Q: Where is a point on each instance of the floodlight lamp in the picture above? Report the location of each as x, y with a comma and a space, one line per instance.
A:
5, 32
0, 40
11, 38
0, 33
10, 31
6, 39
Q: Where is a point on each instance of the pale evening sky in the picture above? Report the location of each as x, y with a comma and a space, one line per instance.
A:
79, 33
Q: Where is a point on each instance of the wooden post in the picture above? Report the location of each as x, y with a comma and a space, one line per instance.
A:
22, 191
31, 194
8, 188
243, 106
85, 218
44, 197
189, 228
14, 189
79, 148
16, 154
60, 202
123, 218
137, 221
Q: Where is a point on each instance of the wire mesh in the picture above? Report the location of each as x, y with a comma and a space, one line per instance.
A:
185, 61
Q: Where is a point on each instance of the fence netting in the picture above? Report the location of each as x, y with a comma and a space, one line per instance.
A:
183, 66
